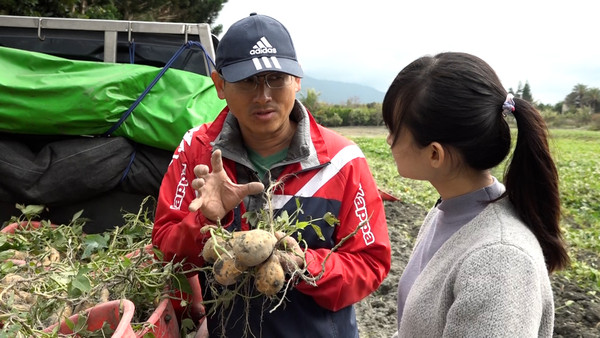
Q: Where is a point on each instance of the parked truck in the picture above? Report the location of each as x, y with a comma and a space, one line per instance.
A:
92, 110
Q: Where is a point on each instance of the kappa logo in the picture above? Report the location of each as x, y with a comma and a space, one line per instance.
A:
263, 46
180, 191
363, 217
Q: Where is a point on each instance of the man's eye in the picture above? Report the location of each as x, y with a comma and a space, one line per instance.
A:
249, 80
275, 77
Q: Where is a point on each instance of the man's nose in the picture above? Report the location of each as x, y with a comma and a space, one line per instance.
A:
263, 91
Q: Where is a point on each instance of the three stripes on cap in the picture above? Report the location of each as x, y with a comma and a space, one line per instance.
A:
263, 46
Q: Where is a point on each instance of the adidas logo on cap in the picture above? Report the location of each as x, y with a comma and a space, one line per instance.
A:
263, 46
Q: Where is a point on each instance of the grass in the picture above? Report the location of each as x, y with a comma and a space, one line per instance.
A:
576, 155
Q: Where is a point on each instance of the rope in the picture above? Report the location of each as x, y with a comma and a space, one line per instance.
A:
186, 45
132, 52
128, 165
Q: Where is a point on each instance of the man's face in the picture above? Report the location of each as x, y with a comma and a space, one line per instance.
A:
262, 112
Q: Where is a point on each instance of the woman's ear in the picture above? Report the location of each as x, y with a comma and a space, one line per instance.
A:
219, 84
437, 155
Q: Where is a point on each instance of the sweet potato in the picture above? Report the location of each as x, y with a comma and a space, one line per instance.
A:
19, 300
253, 247
52, 256
213, 248
104, 295
11, 278
270, 277
227, 270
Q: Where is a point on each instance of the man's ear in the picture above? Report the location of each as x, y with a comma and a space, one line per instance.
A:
219, 84
437, 154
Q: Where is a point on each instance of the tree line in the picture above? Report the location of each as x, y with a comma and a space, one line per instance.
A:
580, 108
197, 11
583, 97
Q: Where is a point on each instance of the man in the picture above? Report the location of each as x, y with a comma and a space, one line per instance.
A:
265, 135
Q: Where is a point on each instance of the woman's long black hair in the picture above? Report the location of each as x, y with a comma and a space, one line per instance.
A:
457, 99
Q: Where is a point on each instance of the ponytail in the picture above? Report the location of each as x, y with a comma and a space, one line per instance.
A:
531, 181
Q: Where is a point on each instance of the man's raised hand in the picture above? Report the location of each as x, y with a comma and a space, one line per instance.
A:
217, 194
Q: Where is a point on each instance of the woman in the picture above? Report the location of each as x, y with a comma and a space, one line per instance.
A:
481, 262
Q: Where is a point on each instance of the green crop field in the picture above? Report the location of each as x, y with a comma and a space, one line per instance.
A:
577, 157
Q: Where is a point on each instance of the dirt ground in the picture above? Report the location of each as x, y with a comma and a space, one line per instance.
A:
577, 311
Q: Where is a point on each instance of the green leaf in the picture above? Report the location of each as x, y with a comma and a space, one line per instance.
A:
81, 323
7, 254
251, 217
299, 206
11, 332
6, 266
318, 231
283, 218
84, 270
82, 283
181, 282
93, 243
188, 324
76, 216
70, 323
30, 210
159, 254
301, 225
331, 219
61, 278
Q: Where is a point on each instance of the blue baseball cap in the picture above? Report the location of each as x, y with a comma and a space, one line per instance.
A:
256, 44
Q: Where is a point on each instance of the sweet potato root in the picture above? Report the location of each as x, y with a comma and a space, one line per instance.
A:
270, 277
214, 248
227, 270
253, 247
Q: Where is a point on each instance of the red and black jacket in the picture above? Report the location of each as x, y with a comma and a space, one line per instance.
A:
326, 173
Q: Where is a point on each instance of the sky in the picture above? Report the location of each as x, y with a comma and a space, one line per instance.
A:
552, 45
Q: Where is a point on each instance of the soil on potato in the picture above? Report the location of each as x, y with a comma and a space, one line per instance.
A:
376, 314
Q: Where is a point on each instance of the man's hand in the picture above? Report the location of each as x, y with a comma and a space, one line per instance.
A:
291, 255
217, 194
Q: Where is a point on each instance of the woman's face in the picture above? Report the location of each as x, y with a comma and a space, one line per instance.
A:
412, 161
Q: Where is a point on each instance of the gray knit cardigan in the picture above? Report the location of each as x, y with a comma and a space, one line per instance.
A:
488, 280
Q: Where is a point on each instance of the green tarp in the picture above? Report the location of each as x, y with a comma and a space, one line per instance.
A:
43, 94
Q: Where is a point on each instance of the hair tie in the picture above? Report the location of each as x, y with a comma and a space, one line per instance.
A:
509, 103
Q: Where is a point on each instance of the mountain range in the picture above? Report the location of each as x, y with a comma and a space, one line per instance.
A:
336, 92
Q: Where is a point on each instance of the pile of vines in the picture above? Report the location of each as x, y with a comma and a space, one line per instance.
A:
49, 272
